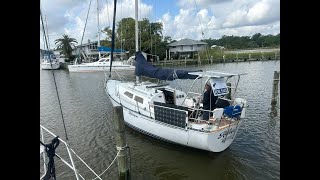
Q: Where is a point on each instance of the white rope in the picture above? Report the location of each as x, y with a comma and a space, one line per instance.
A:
109, 165
121, 148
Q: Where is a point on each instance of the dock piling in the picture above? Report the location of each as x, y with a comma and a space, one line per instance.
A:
275, 93
121, 143
228, 96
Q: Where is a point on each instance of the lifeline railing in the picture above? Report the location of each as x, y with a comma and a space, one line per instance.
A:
72, 166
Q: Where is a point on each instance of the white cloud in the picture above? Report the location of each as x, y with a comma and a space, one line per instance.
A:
258, 11
166, 18
69, 16
236, 18
217, 18
213, 23
200, 3
212, 17
273, 28
202, 14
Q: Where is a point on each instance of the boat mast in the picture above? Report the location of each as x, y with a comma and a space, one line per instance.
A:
136, 32
47, 33
113, 35
98, 27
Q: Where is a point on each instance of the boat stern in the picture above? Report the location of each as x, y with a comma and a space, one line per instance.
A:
216, 140
222, 139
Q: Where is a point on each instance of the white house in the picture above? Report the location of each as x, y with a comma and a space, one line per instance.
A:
185, 48
89, 49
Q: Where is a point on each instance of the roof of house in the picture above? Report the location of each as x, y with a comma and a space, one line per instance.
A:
186, 42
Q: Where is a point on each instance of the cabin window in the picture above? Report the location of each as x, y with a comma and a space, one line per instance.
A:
138, 99
130, 95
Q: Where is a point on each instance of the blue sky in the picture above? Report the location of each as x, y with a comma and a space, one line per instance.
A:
194, 19
163, 6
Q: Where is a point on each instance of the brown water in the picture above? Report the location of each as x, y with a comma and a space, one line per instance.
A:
254, 154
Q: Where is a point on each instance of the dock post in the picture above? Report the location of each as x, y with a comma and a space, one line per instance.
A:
166, 54
275, 55
249, 57
276, 79
121, 143
224, 58
237, 57
199, 61
228, 96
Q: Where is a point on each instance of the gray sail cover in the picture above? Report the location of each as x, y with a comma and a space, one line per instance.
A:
143, 68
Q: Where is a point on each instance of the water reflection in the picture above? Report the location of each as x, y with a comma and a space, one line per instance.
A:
254, 154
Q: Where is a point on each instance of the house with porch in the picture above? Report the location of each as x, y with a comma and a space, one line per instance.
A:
185, 48
89, 49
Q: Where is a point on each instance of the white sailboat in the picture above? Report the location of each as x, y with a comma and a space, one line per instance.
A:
103, 63
49, 61
172, 115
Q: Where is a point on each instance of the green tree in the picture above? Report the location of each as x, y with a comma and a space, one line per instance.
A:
65, 43
243, 42
257, 39
150, 36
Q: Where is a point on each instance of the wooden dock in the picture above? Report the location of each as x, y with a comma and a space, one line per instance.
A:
175, 62
206, 61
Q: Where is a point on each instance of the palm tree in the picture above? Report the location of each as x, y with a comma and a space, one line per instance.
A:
65, 43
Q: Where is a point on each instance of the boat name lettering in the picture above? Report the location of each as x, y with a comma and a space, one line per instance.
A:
225, 133
227, 138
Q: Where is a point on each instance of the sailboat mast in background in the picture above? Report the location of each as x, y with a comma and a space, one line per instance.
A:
136, 33
98, 27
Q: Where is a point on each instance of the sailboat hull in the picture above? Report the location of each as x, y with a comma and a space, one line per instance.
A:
92, 68
143, 120
216, 141
96, 66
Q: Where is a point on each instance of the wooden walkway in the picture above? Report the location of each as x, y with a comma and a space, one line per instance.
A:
206, 61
